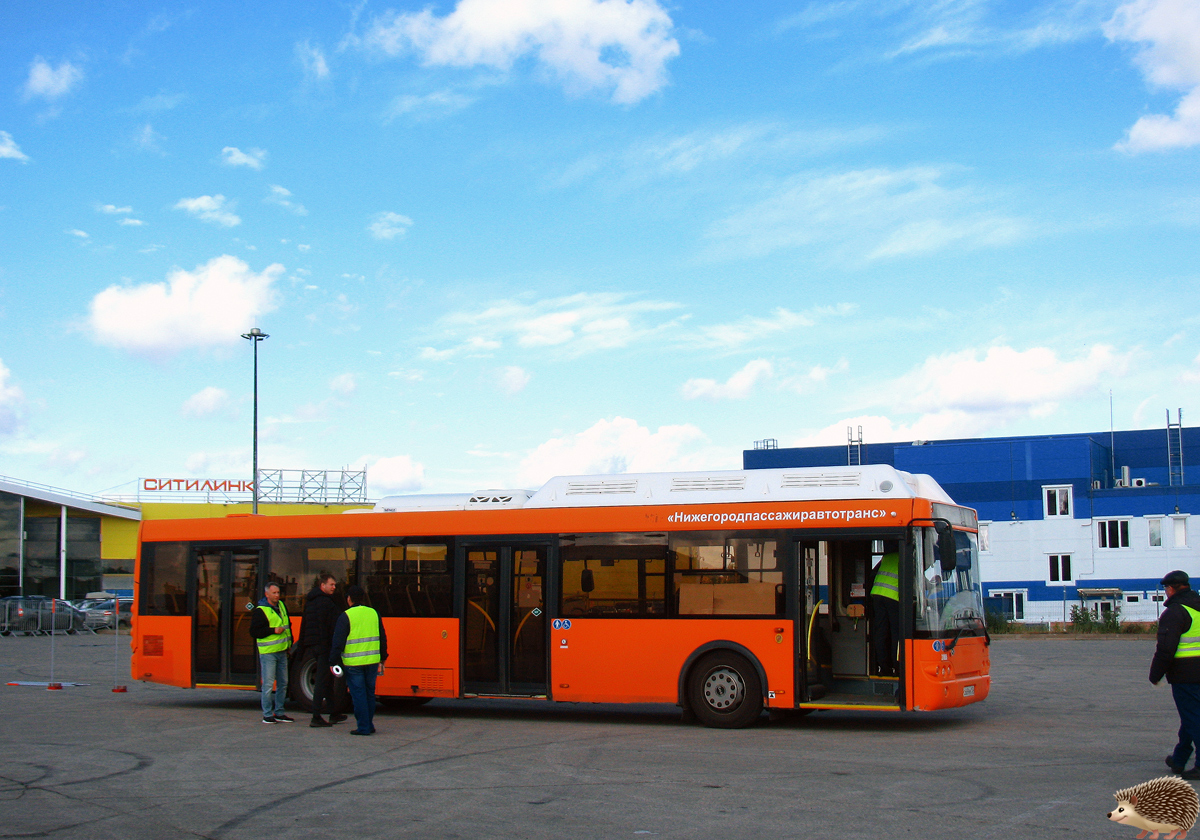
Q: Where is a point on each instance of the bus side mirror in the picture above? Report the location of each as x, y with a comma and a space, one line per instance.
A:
587, 581
946, 547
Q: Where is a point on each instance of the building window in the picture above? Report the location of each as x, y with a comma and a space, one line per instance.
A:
1013, 602
1133, 599
1058, 501
1113, 533
985, 540
1180, 531
1155, 527
1060, 568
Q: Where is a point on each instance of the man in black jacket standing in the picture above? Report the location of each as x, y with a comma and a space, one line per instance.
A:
1178, 658
321, 613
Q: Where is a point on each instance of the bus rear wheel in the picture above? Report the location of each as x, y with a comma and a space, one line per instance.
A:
724, 691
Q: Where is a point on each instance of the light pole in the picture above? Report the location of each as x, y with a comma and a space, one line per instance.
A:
254, 336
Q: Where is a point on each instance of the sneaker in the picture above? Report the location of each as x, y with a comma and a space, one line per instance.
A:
284, 719
1194, 773
319, 721
268, 719
356, 732
336, 718
1175, 768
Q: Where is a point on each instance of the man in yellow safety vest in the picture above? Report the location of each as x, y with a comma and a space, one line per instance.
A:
885, 603
360, 649
1177, 657
272, 632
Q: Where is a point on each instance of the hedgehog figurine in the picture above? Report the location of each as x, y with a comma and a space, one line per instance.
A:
1168, 804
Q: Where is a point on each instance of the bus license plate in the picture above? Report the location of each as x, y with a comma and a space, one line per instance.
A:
968, 691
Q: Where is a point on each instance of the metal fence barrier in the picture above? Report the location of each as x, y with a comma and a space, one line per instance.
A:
37, 616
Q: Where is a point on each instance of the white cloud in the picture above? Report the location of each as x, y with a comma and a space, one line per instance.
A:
754, 328
207, 402
12, 403
881, 213
737, 387
621, 46
618, 445
389, 225
159, 102
51, 83
344, 384
82, 234
209, 307
312, 59
1167, 33
437, 104
10, 149
575, 324
131, 222
512, 380
149, 140
397, 474
282, 197
973, 393
253, 158
1005, 382
210, 208
113, 209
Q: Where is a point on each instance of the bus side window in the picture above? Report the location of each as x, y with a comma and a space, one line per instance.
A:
163, 580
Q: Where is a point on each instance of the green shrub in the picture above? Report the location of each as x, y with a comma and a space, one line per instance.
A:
997, 623
1082, 619
1110, 622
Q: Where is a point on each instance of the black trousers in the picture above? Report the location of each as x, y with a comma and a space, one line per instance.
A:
885, 633
323, 689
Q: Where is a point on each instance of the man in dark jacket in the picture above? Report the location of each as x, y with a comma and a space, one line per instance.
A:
1178, 658
321, 613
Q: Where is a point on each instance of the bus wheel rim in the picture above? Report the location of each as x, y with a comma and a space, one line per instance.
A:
724, 689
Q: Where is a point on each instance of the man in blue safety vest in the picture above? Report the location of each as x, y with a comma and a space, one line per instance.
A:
360, 649
272, 632
1177, 657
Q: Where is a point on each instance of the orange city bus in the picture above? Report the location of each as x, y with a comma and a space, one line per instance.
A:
724, 593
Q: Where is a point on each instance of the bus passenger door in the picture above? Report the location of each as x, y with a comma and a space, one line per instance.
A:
504, 619
226, 581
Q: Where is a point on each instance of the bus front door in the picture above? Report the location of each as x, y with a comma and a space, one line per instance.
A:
504, 620
226, 583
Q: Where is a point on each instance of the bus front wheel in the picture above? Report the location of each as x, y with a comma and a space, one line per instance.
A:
724, 691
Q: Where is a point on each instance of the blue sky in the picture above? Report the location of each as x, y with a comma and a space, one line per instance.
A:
500, 240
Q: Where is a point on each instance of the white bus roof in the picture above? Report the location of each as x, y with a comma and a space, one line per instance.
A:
801, 484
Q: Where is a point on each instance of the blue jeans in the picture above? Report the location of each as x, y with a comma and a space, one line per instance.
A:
1187, 701
360, 680
274, 668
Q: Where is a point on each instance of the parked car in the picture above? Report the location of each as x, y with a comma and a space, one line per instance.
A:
100, 614
35, 614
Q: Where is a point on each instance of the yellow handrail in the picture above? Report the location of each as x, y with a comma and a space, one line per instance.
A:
812, 618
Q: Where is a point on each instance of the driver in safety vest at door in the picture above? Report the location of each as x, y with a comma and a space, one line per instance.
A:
885, 602
360, 648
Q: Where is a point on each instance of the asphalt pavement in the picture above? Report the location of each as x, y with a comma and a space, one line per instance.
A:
1067, 723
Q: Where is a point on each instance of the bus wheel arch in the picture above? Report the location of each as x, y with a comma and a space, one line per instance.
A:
723, 685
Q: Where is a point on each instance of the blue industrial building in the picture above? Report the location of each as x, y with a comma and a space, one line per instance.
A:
1093, 518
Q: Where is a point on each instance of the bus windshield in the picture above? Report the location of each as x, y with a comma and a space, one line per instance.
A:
948, 602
